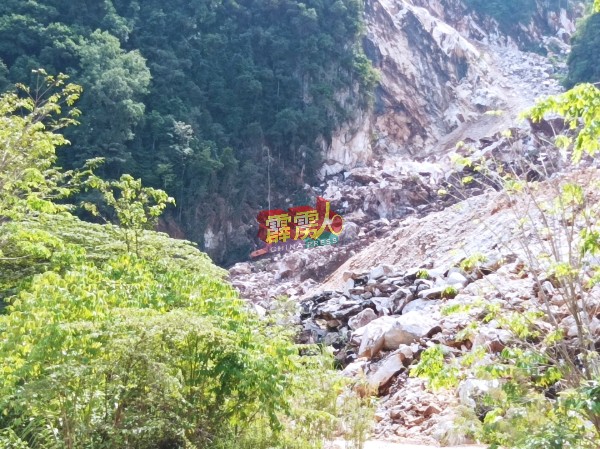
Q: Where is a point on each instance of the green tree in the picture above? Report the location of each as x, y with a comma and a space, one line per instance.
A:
4, 82
580, 107
28, 142
116, 82
584, 62
145, 349
136, 207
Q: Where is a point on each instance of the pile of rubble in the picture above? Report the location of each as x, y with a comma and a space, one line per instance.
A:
375, 201
372, 201
381, 321
379, 310
379, 325
532, 75
383, 191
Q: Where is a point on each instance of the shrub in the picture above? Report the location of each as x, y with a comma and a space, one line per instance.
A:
549, 374
114, 340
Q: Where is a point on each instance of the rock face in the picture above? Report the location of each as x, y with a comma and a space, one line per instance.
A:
442, 66
414, 268
546, 21
422, 62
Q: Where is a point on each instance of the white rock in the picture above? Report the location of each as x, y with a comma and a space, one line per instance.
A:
383, 304
348, 285
260, 311
471, 389
391, 366
390, 332
457, 278
420, 305
372, 336
362, 319
433, 293
492, 339
350, 231
239, 269
355, 369
380, 271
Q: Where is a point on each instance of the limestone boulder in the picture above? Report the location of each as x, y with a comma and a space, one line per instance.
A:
389, 332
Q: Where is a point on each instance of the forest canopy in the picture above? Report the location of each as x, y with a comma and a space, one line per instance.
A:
584, 59
116, 336
198, 97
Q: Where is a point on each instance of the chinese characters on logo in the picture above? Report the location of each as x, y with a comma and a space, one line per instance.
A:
303, 223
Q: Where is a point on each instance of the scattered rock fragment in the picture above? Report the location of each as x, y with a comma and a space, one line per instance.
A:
362, 319
390, 332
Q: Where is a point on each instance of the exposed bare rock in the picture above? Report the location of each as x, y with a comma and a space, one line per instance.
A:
441, 67
452, 60
390, 332
492, 339
387, 369
362, 319
470, 391
456, 278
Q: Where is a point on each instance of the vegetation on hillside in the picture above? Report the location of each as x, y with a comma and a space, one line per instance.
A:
584, 59
113, 336
507, 13
199, 97
542, 388
514, 17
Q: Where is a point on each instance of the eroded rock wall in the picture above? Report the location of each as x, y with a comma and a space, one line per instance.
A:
441, 67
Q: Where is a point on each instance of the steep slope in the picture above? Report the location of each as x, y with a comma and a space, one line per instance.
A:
381, 297
390, 297
442, 66
207, 99
227, 105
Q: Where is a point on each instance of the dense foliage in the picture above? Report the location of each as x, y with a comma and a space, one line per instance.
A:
198, 97
584, 59
118, 337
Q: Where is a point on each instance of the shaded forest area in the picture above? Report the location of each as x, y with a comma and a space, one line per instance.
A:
215, 101
198, 97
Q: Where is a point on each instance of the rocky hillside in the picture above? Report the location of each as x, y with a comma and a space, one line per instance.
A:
409, 255
404, 285
443, 65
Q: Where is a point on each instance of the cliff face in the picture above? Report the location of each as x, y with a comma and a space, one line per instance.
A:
442, 66
441, 69
423, 63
